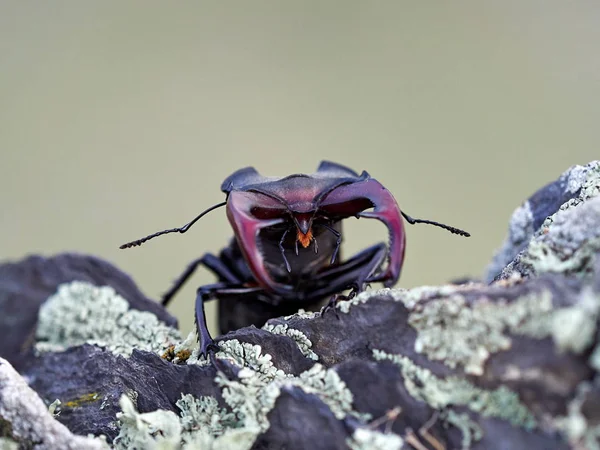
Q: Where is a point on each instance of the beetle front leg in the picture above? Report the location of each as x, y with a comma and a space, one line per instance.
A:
211, 292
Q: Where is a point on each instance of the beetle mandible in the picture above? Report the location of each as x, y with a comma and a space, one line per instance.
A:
269, 269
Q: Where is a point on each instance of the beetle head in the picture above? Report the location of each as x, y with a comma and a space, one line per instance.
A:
333, 193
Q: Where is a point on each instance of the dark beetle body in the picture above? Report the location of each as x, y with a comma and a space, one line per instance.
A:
285, 254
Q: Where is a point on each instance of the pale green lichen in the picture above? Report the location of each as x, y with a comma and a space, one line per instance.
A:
579, 432
345, 305
304, 344
249, 356
201, 425
54, 408
259, 384
440, 393
8, 444
569, 239
154, 430
470, 430
575, 328
367, 439
81, 313
302, 314
204, 414
456, 333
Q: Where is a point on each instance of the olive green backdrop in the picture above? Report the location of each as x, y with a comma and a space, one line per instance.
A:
118, 119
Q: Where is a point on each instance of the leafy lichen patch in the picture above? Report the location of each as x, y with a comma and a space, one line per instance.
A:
302, 314
470, 430
204, 413
367, 439
568, 240
451, 331
575, 426
304, 344
8, 444
200, 425
80, 313
254, 394
154, 430
439, 393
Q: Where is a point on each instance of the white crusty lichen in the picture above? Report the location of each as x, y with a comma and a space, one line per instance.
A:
249, 399
568, 240
456, 333
580, 432
252, 396
367, 439
538, 256
8, 444
302, 314
470, 430
200, 425
304, 344
154, 430
439, 393
80, 313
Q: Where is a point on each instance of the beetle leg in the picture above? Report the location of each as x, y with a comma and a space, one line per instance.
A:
208, 260
338, 241
210, 292
352, 274
287, 264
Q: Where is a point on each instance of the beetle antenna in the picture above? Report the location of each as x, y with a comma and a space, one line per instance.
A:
287, 264
437, 224
337, 242
183, 229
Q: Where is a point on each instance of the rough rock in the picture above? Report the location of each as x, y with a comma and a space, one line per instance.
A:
509, 365
26, 421
27, 284
574, 186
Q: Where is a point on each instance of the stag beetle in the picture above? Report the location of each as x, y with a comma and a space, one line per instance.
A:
269, 269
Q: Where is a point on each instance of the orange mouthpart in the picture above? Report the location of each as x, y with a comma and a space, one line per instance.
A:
305, 239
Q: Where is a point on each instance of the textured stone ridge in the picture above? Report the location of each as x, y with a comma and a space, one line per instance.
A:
575, 186
513, 364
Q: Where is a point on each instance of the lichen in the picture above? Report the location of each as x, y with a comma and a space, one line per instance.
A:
200, 425
304, 344
439, 393
470, 430
154, 430
8, 444
302, 314
568, 240
345, 305
204, 414
525, 241
574, 328
455, 333
367, 439
259, 384
575, 426
82, 313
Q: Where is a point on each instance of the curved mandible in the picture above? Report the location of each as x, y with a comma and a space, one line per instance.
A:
386, 210
246, 228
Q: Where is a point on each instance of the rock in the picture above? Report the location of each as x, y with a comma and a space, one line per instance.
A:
509, 365
25, 419
26, 284
578, 183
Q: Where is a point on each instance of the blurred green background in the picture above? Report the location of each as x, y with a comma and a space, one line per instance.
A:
118, 119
